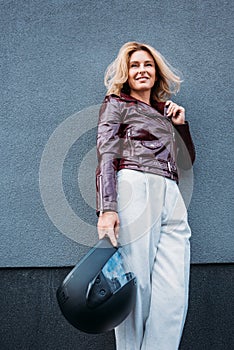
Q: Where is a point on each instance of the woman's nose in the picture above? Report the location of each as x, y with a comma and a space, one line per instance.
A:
141, 68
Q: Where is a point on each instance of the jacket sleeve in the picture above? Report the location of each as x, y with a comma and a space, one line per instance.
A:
186, 150
108, 154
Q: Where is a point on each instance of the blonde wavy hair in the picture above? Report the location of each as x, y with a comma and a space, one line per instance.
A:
116, 76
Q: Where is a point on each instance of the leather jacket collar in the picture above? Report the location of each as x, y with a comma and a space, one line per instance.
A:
159, 106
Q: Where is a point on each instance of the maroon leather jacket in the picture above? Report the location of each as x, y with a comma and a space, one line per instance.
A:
134, 135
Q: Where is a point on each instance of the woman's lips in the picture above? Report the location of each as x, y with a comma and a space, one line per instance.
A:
142, 78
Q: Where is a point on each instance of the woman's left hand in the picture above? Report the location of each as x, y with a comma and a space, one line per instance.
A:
175, 112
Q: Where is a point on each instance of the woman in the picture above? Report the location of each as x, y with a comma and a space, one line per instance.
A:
142, 141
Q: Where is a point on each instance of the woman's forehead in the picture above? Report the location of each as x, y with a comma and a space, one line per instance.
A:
141, 55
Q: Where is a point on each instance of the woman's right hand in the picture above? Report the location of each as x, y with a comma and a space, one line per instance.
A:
108, 225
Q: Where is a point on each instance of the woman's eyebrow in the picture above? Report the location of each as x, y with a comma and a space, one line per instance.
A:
147, 61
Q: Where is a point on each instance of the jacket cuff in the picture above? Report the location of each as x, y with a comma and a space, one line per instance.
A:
108, 206
182, 128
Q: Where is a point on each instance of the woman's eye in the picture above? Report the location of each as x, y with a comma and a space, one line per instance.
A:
149, 64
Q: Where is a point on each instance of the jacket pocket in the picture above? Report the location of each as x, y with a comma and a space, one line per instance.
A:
153, 145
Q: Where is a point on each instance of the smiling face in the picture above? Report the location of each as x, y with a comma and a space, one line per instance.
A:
141, 73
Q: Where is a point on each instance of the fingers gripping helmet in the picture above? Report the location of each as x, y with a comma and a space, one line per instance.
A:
99, 292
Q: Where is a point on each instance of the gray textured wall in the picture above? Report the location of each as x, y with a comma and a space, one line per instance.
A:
53, 58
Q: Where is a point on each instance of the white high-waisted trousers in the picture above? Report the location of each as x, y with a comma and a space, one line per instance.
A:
154, 234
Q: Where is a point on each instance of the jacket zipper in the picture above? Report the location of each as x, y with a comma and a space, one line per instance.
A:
173, 153
101, 207
173, 141
130, 141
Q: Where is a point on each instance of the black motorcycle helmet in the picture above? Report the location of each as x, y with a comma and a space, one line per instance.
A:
99, 292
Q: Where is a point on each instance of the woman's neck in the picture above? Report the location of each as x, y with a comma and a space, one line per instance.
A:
143, 96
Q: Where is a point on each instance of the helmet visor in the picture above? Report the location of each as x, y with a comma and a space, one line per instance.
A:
114, 275
116, 271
